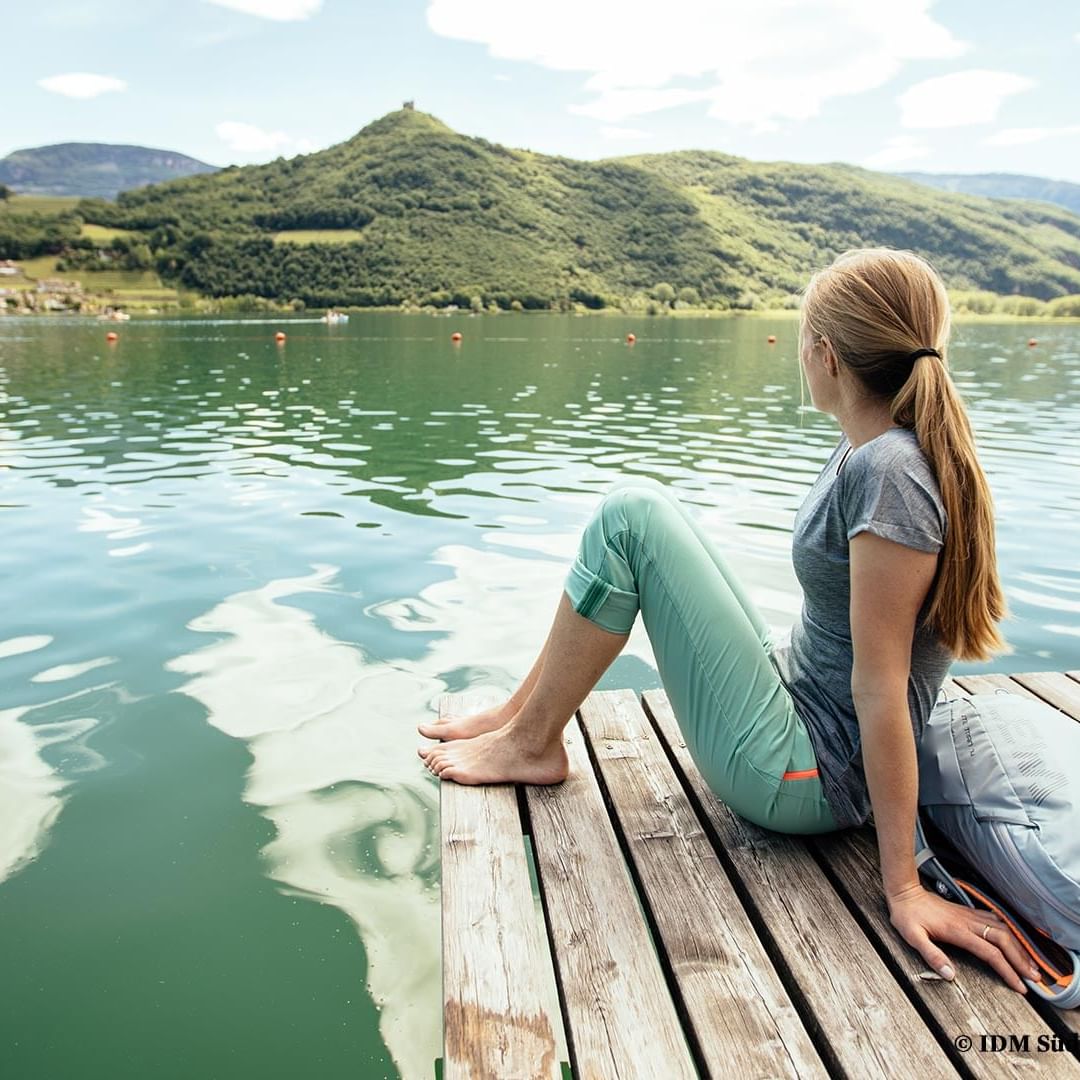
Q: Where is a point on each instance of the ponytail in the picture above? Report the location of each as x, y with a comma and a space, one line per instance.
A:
967, 601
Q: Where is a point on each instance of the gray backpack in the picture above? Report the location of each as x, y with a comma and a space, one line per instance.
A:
999, 799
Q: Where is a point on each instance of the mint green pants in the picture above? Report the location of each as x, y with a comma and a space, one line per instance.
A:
642, 550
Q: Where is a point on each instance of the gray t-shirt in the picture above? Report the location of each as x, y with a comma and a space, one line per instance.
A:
885, 486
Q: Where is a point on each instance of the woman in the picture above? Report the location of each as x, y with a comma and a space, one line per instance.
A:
894, 549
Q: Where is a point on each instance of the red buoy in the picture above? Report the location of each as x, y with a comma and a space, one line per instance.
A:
112, 335
771, 339
279, 337
455, 337
630, 339
1032, 343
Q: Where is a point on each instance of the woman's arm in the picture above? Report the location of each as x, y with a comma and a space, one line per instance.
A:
889, 583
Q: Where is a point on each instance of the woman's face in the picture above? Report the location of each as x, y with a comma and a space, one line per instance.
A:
812, 358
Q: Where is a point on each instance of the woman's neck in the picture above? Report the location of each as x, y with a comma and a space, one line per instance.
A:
864, 422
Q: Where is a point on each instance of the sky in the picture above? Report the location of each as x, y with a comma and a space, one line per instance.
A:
946, 86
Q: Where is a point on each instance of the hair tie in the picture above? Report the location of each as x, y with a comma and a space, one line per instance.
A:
923, 352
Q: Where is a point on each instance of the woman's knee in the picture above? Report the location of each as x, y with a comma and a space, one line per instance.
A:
629, 506
636, 497
633, 483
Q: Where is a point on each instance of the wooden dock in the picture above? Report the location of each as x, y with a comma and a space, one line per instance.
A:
674, 939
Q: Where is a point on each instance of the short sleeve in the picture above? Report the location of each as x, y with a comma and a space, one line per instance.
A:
893, 495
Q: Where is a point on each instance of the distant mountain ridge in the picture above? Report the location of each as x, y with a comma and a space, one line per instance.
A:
1003, 186
99, 170
409, 211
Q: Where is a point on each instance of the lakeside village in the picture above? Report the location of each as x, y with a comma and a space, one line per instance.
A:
22, 296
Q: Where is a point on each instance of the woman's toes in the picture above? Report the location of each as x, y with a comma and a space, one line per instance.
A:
430, 730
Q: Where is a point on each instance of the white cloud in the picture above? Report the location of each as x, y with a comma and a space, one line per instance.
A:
964, 97
622, 104
624, 133
1019, 136
249, 139
898, 149
502, 78
278, 10
81, 84
754, 64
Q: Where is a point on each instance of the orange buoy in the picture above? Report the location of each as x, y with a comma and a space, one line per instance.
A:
112, 335
455, 337
630, 339
279, 337
1032, 343
771, 339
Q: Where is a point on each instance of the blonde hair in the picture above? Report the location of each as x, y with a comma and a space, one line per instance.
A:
876, 307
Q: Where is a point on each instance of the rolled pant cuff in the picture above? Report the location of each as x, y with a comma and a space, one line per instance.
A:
599, 601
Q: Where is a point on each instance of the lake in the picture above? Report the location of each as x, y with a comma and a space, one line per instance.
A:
238, 574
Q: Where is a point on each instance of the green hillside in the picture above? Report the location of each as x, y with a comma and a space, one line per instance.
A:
794, 218
95, 169
410, 211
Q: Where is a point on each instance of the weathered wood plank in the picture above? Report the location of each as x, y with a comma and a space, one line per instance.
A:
621, 1018
496, 1005
742, 1018
864, 1023
988, 683
1055, 687
975, 1003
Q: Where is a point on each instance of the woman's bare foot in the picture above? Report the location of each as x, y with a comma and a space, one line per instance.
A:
497, 757
467, 727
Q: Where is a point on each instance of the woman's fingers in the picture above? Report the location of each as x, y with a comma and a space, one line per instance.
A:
986, 936
998, 947
1015, 953
992, 928
935, 958
993, 956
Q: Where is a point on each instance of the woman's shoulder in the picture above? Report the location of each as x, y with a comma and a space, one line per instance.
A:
892, 484
895, 451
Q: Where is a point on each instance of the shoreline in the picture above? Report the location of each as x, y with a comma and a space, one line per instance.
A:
287, 314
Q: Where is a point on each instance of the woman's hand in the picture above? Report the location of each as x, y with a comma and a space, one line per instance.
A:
922, 917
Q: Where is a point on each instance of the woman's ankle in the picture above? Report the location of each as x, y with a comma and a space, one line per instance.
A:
534, 739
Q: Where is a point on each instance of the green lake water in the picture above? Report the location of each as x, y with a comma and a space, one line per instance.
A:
237, 575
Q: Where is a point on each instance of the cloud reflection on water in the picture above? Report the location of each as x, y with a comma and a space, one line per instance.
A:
332, 735
32, 791
30, 799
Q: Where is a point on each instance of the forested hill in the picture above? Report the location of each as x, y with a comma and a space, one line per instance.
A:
100, 169
1004, 186
409, 210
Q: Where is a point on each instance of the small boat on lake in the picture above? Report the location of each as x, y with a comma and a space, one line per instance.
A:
332, 318
112, 315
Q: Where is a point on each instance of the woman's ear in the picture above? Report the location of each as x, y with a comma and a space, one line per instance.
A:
829, 358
